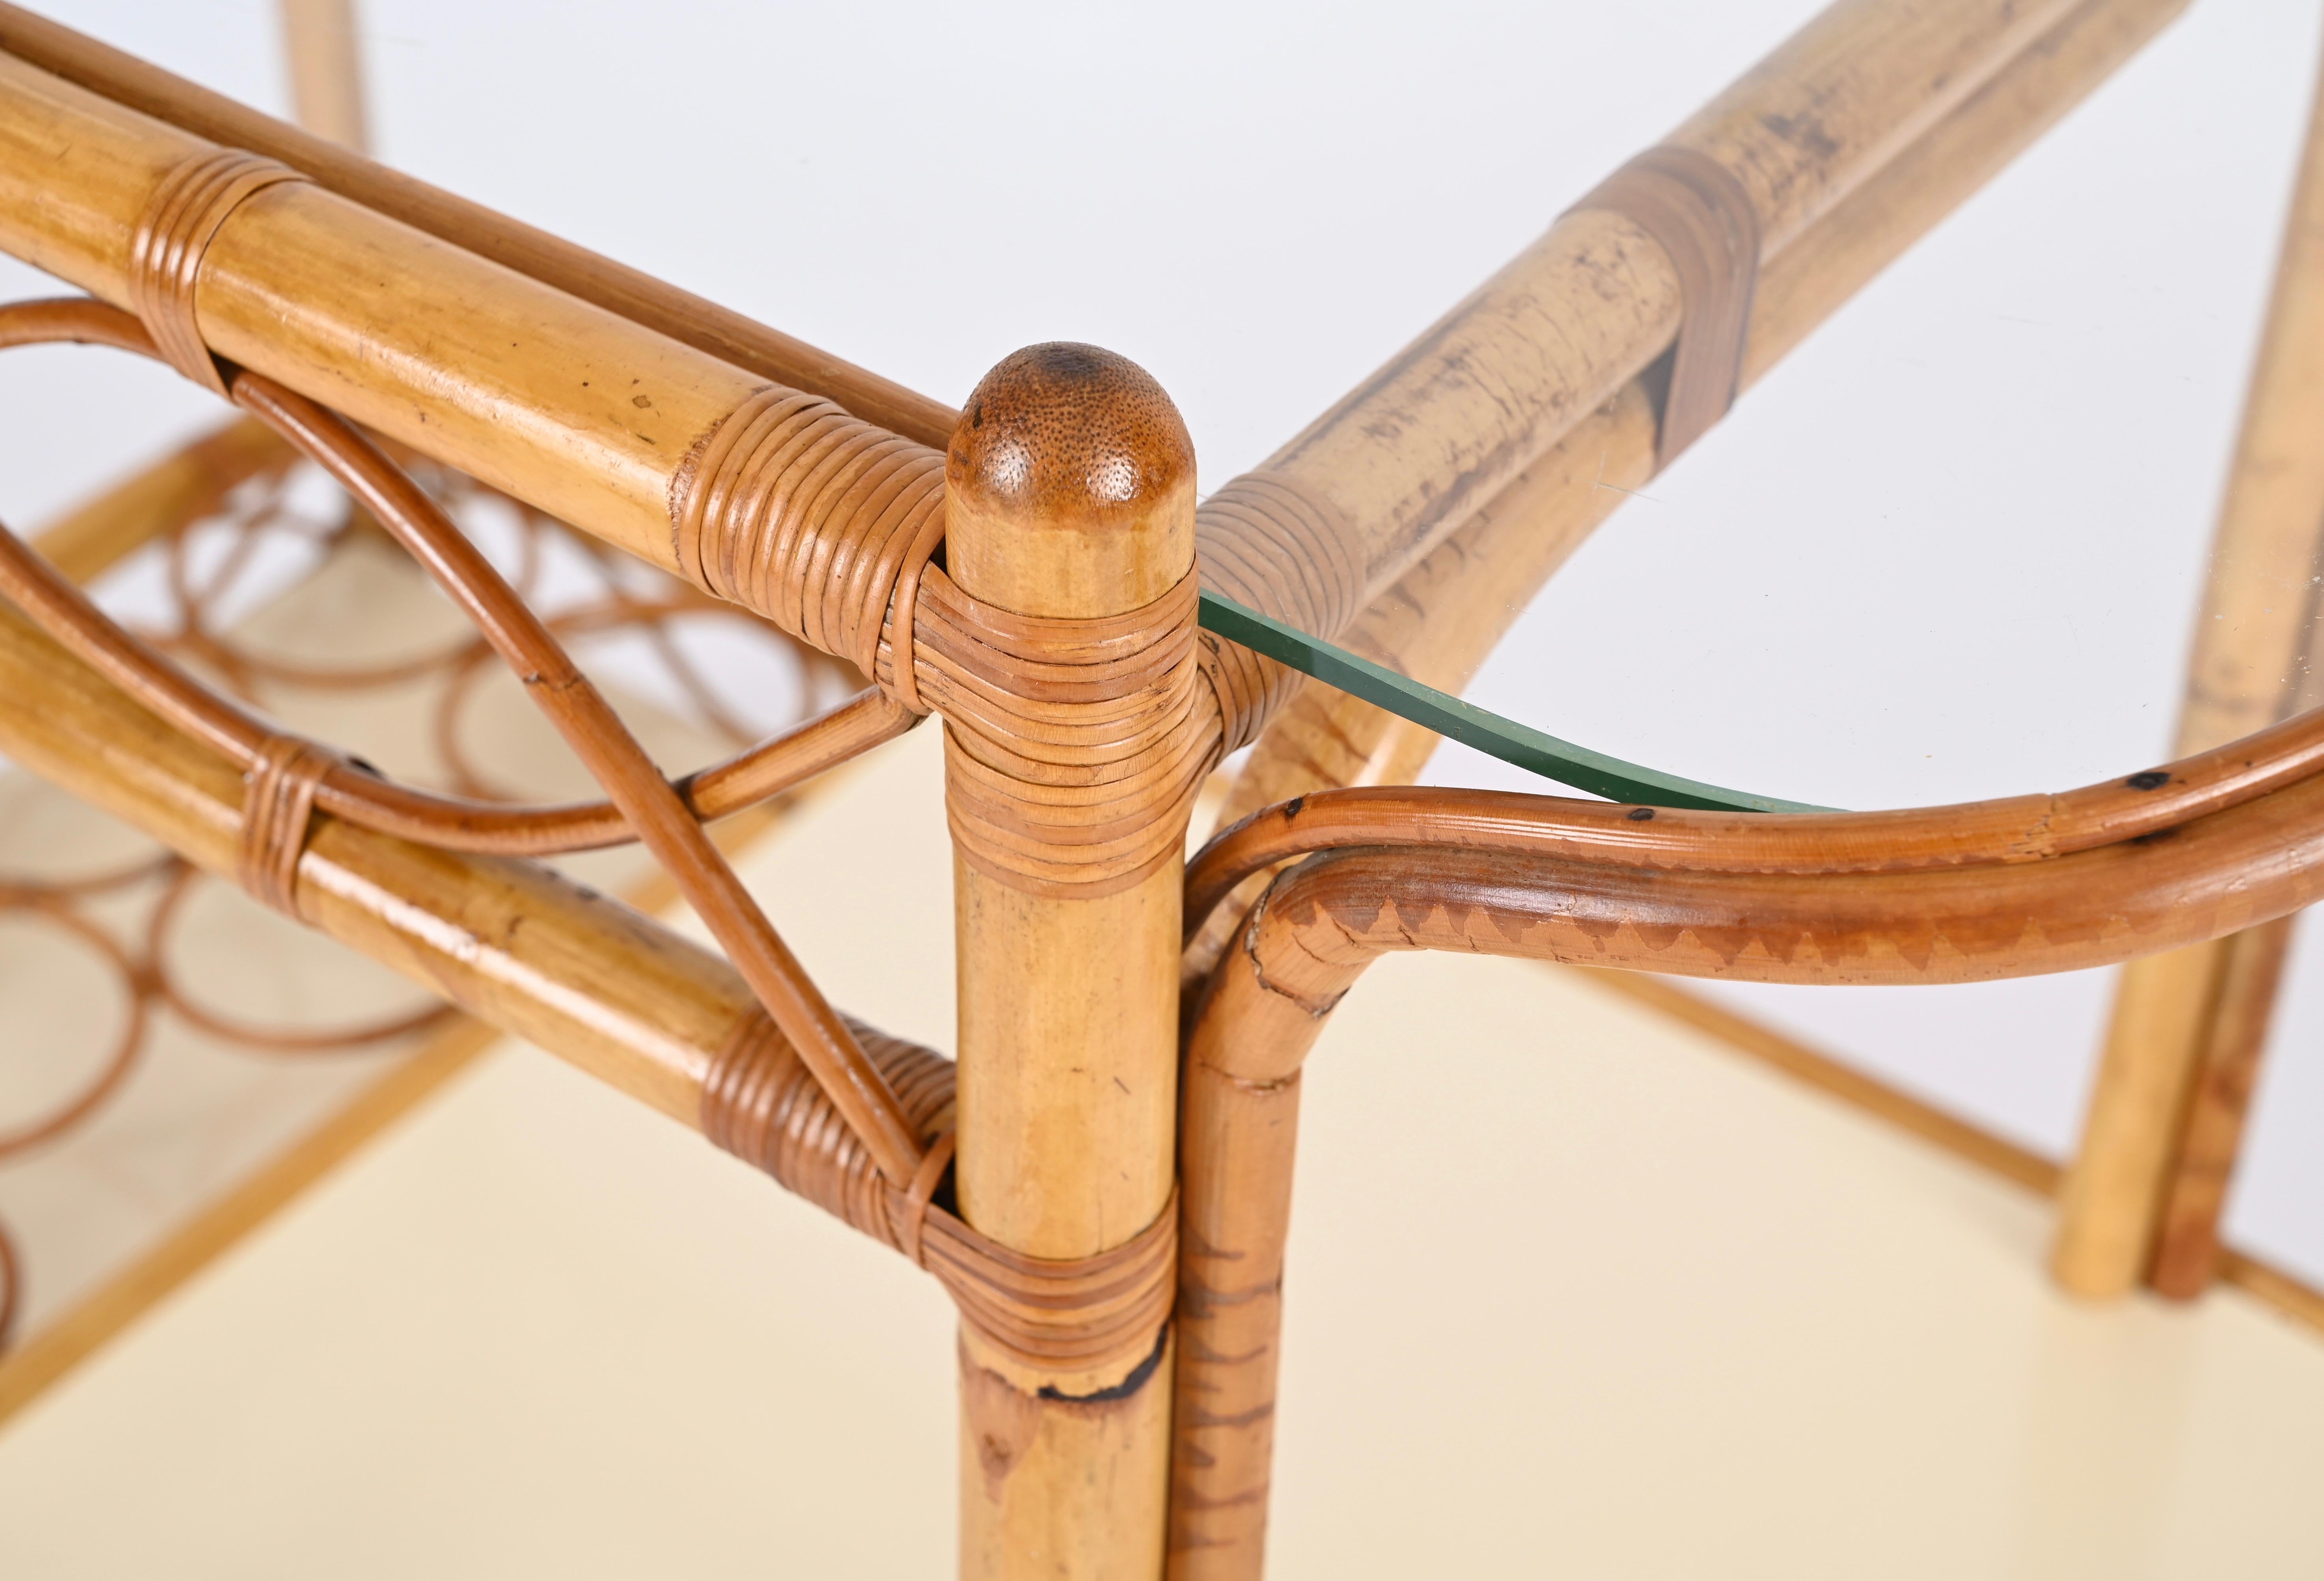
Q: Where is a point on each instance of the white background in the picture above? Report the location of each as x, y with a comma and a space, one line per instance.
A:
1951, 549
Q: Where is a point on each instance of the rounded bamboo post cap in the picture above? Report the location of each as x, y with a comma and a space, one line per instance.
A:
1069, 434
1069, 485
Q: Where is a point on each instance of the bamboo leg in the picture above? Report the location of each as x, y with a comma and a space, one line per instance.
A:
325, 57
1240, 1129
1070, 492
2149, 1106
2187, 1244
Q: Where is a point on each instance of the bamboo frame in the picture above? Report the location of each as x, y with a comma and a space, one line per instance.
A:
2183, 1049
1444, 615
1068, 668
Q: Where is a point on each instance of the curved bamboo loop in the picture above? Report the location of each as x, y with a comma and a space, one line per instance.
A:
2007, 831
456, 823
1322, 922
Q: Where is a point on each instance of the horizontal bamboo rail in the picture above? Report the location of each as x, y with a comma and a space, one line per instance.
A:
1439, 621
575, 410
1453, 418
708, 328
512, 943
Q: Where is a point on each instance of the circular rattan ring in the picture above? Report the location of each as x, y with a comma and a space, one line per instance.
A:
137, 991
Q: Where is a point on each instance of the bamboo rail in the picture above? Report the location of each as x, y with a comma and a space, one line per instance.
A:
2182, 1047
1445, 614
1416, 448
1057, 638
509, 942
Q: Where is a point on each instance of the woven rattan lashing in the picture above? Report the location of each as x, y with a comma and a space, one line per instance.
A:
1073, 749
165, 252
761, 1104
278, 808
1698, 212
811, 517
1266, 542
1076, 746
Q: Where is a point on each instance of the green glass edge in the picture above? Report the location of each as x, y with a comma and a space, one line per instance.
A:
1448, 715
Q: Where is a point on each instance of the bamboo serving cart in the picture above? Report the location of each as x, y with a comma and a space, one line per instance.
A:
1099, 1177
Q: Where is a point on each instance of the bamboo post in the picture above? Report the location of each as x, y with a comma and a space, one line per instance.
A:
2159, 1140
2186, 1248
326, 57
1070, 493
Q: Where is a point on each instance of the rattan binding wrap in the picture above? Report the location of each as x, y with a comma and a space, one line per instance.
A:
1268, 544
813, 518
760, 1103
1073, 749
166, 250
278, 806
1698, 212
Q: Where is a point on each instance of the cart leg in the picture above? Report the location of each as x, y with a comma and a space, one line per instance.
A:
1069, 494
2155, 1116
